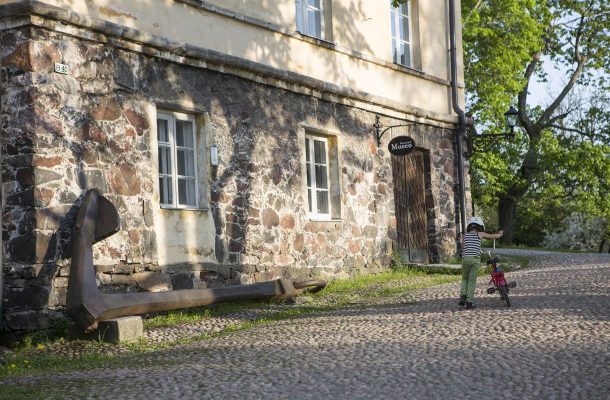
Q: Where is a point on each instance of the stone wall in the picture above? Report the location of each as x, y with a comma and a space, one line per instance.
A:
63, 134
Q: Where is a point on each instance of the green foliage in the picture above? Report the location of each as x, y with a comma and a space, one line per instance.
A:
559, 161
499, 38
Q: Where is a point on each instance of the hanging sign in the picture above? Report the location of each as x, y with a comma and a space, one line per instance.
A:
401, 145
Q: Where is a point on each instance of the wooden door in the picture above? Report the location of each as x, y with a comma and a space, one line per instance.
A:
410, 206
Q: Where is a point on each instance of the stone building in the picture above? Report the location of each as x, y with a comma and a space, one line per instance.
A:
236, 138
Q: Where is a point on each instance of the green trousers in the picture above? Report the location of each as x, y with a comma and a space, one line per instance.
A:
470, 269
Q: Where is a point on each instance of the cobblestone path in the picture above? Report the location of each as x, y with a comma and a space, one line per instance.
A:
553, 343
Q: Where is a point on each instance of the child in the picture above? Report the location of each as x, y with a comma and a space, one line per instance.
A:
471, 258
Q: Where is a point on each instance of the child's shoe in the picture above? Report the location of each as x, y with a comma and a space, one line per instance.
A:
462, 301
470, 305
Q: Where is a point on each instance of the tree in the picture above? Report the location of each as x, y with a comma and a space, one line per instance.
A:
506, 42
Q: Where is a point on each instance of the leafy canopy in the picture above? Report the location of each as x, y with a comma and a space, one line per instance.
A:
558, 164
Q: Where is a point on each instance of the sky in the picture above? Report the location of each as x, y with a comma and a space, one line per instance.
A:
542, 93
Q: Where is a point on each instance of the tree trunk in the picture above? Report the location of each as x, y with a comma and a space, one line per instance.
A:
507, 203
507, 207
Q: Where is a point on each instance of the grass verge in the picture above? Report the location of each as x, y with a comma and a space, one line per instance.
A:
43, 358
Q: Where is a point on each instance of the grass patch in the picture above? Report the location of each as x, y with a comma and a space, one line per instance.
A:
173, 318
196, 314
39, 358
384, 284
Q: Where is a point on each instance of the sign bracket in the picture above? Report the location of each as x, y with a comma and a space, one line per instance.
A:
378, 126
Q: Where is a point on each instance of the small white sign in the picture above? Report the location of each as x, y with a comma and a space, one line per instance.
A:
214, 156
61, 68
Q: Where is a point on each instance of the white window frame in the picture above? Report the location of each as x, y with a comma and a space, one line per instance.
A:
171, 118
396, 17
312, 186
303, 9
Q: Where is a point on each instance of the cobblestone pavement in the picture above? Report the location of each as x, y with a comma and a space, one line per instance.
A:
553, 343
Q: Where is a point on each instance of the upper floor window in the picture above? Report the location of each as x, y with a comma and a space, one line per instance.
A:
178, 182
400, 20
310, 20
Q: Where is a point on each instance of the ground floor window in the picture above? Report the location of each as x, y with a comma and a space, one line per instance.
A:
316, 160
176, 139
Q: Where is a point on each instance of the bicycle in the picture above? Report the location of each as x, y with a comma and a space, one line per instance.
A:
498, 279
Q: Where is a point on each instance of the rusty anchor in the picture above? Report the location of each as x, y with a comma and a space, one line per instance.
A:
98, 219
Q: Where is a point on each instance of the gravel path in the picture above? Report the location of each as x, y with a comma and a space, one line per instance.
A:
553, 343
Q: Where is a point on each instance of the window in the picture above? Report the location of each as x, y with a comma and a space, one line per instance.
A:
310, 20
176, 140
401, 33
316, 162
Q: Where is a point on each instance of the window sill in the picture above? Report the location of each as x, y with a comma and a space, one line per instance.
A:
408, 68
170, 208
316, 40
317, 219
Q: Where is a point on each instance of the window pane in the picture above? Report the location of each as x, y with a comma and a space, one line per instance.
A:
165, 161
322, 201
321, 181
404, 29
186, 192
314, 3
313, 23
184, 134
404, 8
394, 51
307, 150
186, 162
309, 199
308, 167
319, 151
165, 190
406, 56
162, 135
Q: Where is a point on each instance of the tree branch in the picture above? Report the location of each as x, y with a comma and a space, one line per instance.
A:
556, 118
475, 8
581, 61
522, 96
568, 129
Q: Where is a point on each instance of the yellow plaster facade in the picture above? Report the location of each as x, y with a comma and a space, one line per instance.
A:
358, 55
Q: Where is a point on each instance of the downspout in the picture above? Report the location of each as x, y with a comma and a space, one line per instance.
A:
1, 246
461, 131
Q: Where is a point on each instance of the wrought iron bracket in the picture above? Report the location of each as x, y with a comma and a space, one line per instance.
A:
378, 126
494, 137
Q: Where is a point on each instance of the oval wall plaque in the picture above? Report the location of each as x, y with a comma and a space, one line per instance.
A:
401, 145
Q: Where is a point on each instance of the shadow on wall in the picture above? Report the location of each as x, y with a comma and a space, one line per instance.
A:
88, 130
253, 125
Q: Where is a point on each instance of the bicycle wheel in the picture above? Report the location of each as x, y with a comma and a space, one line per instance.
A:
504, 295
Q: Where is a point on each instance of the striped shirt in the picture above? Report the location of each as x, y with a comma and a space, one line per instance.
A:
472, 244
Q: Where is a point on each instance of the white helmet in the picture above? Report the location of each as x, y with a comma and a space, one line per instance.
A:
476, 221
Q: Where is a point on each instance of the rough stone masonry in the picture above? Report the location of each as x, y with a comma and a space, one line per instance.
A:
91, 128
